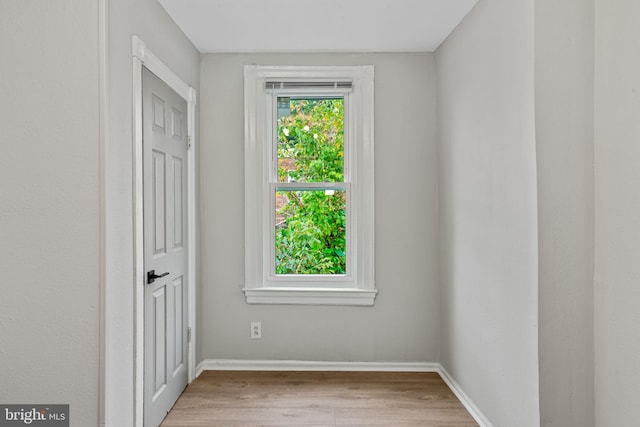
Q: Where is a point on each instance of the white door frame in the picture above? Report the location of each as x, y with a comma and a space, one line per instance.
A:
142, 56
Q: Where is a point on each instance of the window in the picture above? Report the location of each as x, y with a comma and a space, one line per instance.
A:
309, 199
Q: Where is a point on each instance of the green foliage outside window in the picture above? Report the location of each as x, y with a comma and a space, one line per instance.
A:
310, 232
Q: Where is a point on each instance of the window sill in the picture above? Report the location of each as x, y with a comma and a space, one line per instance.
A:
311, 296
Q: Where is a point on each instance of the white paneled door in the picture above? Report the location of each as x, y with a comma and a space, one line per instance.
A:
164, 115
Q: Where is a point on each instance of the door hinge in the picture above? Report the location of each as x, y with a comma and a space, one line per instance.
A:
189, 142
188, 334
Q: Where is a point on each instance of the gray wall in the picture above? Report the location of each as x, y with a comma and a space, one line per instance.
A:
403, 324
50, 210
617, 213
488, 210
148, 20
49, 205
564, 61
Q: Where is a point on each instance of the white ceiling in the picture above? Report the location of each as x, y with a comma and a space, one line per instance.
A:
317, 26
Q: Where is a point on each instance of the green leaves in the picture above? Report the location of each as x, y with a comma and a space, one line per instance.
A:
311, 227
311, 141
312, 239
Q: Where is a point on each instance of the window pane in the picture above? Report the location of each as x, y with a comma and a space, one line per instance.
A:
310, 231
310, 139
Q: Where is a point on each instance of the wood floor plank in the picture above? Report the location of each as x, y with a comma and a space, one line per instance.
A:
318, 399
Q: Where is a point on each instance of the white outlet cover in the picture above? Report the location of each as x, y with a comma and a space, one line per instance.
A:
256, 330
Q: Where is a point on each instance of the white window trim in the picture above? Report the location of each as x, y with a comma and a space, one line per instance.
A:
358, 288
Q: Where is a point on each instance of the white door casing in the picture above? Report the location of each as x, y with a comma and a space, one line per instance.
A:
143, 57
165, 247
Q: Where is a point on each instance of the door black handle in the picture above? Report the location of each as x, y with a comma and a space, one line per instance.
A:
152, 276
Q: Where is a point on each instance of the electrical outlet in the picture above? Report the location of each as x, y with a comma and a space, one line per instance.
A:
256, 330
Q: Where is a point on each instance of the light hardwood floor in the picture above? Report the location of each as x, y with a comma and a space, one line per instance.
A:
318, 399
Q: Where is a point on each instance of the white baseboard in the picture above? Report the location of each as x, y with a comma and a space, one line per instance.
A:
299, 365
475, 412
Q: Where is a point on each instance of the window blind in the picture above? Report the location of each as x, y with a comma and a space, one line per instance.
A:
280, 85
